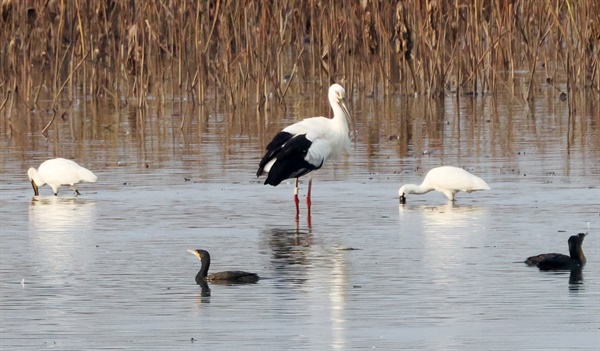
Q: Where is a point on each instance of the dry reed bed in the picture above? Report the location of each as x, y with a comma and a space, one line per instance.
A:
246, 51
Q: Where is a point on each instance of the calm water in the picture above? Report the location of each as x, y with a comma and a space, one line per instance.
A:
109, 269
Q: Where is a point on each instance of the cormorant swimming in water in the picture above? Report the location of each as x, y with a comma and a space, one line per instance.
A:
223, 277
556, 261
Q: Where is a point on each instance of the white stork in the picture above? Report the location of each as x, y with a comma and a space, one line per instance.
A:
57, 172
305, 146
446, 179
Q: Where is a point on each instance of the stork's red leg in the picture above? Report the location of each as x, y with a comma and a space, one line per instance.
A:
297, 200
308, 202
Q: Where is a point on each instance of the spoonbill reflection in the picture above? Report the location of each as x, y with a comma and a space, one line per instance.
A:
306, 145
57, 172
446, 179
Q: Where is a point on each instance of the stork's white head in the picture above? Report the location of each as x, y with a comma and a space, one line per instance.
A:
337, 94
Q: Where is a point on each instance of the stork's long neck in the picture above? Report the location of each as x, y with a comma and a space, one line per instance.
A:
339, 118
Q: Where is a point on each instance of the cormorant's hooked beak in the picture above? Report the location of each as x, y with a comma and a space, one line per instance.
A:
195, 253
35, 188
402, 199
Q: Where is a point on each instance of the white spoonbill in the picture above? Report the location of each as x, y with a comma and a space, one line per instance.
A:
57, 172
446, 179
306, 145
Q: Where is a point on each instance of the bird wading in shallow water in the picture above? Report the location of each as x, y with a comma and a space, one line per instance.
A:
557, 261
223, 277
57, 172
305, 146
446, 179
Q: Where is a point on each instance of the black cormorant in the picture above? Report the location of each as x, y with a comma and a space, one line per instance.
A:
226, 277
556, 261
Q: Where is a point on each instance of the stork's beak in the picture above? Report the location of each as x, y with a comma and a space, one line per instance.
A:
35, 188
349, 117
402, 199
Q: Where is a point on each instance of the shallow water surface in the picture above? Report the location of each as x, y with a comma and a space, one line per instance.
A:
109, 269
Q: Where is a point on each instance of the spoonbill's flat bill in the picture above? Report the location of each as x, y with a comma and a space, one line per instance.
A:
306, 145
57, 172
448, 180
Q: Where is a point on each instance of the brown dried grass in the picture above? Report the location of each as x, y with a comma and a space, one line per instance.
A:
129, 51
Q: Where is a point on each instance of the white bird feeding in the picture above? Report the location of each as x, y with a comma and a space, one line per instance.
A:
57, 172
305, 146
446, 179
